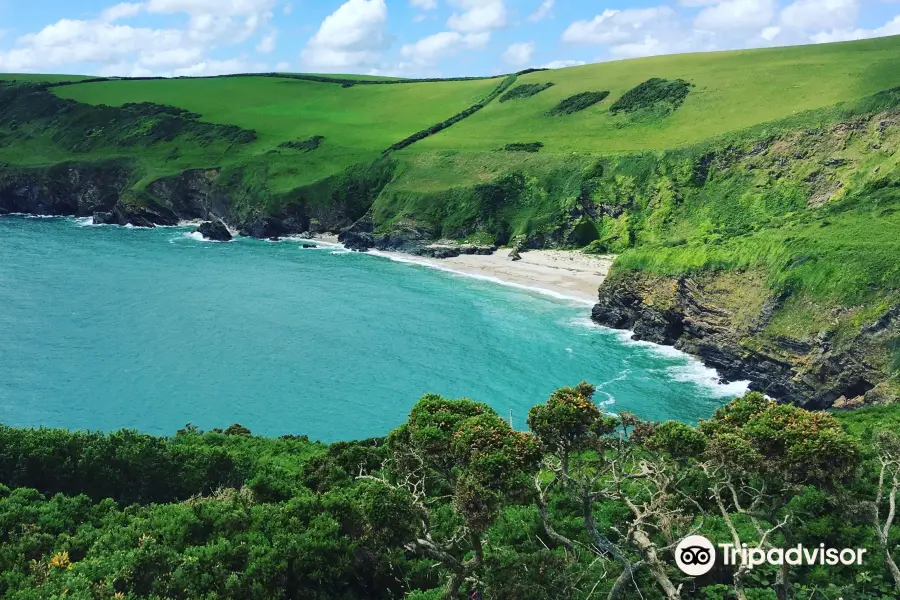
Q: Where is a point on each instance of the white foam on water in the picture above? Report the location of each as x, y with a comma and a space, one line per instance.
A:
690, 371
702, 376
528, 288
339, 252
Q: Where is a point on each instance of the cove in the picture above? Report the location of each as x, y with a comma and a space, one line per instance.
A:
103, 327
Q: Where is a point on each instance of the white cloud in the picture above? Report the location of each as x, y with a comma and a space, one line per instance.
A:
429, 50
820, 14
219, 67
638, 32
544, 11
424, 4
736, 15
288, 8
696, 3
770, 33
617, 26
210, 7
478, 16
283, 66
109, 46
170, 58
125, 10
562, 64
847, 34
519, 54
351, 36
267, 44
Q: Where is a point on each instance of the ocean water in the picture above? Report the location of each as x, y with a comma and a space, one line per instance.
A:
105, 328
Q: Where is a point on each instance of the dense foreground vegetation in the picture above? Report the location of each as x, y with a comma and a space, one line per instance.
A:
451, 503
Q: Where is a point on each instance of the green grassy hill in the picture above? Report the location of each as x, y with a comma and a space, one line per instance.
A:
779, 162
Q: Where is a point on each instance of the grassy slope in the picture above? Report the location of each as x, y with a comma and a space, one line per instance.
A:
357, 122
734, 90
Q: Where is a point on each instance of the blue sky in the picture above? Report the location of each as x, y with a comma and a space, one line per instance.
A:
413, 38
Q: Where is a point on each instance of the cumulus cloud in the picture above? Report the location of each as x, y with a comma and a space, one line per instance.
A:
125, 10
519, 54
638, 32
819, 14
352, 36
561, 64
477, 15
430, 50
111, 46
737, 15
424, 4
846, 34
267, 44
618, 26
544, 11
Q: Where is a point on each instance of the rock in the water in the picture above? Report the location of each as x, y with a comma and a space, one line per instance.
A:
267, 228
309, 246
215, 231
105, 218
514, 254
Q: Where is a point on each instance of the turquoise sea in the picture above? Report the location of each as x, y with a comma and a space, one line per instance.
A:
109, 327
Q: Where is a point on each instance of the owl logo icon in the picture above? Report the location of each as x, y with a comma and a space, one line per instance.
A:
695, 555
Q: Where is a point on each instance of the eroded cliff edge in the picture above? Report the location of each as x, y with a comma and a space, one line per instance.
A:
729, 320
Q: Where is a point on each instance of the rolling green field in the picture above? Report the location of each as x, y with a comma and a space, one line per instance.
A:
358, 122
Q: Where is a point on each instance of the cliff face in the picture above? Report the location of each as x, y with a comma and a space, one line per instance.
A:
105, 191
724, 319
66, 189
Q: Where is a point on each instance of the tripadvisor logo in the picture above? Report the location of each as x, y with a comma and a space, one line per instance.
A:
695, 555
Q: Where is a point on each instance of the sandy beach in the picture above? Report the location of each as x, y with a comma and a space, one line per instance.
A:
564, 273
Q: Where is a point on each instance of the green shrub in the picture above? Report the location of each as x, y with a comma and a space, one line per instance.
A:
671, 92
577, 103
307, 145
526, 90
524, 147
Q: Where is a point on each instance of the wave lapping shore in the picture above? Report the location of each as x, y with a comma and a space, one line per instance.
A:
565, 274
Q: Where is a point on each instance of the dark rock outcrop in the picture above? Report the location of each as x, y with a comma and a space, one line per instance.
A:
437, 251
480, 250
65, 189
358, 241
722, 328
514, 254
215, 231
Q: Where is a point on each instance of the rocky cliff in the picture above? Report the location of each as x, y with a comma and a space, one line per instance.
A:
724, 319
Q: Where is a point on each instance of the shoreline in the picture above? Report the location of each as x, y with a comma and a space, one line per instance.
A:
564, 274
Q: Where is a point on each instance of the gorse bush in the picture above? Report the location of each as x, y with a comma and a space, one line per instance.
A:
453, 502
524, 147
671, 92
307, 145
526, 90
577, 103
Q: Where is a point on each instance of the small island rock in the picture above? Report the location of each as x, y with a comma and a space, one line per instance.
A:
215, 231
